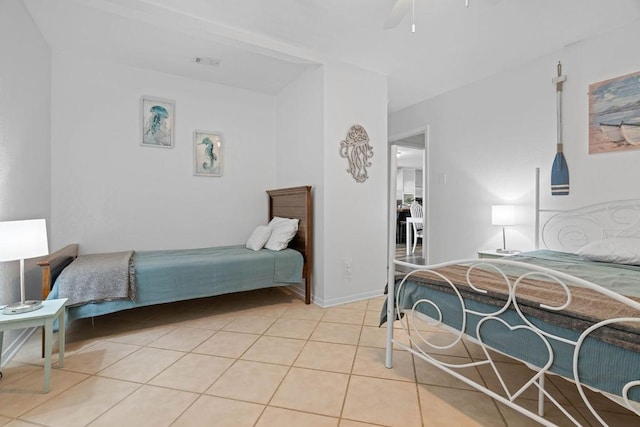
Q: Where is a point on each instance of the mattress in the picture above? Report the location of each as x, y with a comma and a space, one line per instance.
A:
176, 275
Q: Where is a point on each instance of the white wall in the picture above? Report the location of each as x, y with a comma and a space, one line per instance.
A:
25, 88
109, 193
355, 225
299, 130
487, 138
300, 152
314, 114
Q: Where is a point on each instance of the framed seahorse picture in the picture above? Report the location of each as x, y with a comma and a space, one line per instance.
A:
157, 122
207, 153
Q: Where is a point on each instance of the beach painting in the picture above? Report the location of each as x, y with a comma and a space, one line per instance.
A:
157, 122
614, 114
207, 149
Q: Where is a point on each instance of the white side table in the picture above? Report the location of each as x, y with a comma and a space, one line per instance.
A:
45, 316
493, 253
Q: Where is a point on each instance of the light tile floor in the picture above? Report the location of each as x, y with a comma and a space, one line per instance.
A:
260, 359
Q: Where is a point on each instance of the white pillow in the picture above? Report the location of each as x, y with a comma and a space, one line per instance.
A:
259, 237
279, 220
282, 231
618, 251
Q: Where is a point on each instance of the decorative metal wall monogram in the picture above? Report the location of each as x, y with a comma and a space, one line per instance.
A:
357, 150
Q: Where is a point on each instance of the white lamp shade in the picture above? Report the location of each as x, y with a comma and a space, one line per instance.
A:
502, 215
23, 239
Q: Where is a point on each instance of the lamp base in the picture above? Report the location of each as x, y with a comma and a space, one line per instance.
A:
22, 307
505, 251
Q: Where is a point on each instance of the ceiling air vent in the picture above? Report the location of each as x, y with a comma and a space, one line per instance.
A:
211, 62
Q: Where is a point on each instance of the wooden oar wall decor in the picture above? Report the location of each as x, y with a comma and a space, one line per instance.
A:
559, 171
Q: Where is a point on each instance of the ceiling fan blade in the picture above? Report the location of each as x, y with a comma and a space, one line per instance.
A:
399, 11
491, 2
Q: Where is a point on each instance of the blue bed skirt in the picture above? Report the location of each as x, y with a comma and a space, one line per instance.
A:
601, 365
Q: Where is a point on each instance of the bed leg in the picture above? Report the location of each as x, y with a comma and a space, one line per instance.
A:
389, 354
541, 396
390, 321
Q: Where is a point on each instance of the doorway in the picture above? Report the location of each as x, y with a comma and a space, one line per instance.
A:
411, 184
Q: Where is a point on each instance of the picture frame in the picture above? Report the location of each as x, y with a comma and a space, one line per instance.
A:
158, 118
207, 153
614, 114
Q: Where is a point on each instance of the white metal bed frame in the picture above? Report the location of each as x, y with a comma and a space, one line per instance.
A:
571, 229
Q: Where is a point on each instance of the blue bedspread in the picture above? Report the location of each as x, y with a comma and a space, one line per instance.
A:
620, 278
176, 275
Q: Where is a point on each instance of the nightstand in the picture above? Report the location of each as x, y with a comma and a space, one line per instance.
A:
45, 316
493, 253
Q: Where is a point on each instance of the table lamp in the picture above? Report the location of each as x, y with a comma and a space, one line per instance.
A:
20, 240
503, 215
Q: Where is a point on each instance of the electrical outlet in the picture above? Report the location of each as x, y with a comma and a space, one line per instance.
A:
348, 268
442, 178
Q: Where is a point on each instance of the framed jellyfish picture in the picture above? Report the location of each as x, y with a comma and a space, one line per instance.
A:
207, 153
157, 122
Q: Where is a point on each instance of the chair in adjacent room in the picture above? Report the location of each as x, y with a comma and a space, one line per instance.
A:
401, 223
417, 212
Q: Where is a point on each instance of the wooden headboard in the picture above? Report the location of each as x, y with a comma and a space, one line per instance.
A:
295, 202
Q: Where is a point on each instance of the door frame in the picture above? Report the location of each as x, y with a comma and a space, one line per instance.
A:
392, 174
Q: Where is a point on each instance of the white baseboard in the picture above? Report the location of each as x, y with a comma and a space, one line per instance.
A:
299, 290
348, 299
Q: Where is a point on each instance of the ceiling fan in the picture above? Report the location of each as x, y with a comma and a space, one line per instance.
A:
401, 8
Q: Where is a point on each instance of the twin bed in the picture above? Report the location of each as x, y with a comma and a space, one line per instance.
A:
554, 311
174, 275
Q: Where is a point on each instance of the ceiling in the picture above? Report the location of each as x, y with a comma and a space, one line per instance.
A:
263, 45
410, 151
410, 158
